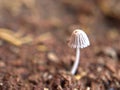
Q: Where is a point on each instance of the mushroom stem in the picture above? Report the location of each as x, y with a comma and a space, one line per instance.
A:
76, 63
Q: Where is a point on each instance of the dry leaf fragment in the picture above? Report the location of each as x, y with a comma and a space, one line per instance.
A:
79, 76
112, 65
12, 37
42, 48
9, 37
44, 37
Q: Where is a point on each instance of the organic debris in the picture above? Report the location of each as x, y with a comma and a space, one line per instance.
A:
9, 36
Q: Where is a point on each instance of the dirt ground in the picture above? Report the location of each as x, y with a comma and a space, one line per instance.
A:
34, 52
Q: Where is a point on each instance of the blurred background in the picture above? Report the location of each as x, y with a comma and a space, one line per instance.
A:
36, 16
39, 16
34, 36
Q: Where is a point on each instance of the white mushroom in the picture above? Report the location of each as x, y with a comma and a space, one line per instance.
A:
78, 40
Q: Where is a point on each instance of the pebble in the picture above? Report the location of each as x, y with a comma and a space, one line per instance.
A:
46, 89
110, 52
53, 57
1, 84
88, 88
2, 64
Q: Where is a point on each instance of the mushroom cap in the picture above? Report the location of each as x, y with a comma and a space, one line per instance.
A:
78, 39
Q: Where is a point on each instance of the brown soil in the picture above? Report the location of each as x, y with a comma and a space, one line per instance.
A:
34, 54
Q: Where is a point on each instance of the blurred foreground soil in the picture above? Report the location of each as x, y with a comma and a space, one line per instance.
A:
34, 54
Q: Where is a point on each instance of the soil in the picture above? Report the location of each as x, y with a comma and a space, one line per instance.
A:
34, 54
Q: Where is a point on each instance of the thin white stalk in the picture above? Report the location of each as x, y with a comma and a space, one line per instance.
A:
76, 63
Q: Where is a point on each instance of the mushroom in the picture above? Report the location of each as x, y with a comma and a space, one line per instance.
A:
78, 40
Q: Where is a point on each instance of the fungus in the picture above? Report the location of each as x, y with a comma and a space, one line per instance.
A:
78, 40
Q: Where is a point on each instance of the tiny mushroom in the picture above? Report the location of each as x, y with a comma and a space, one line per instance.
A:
78, 40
